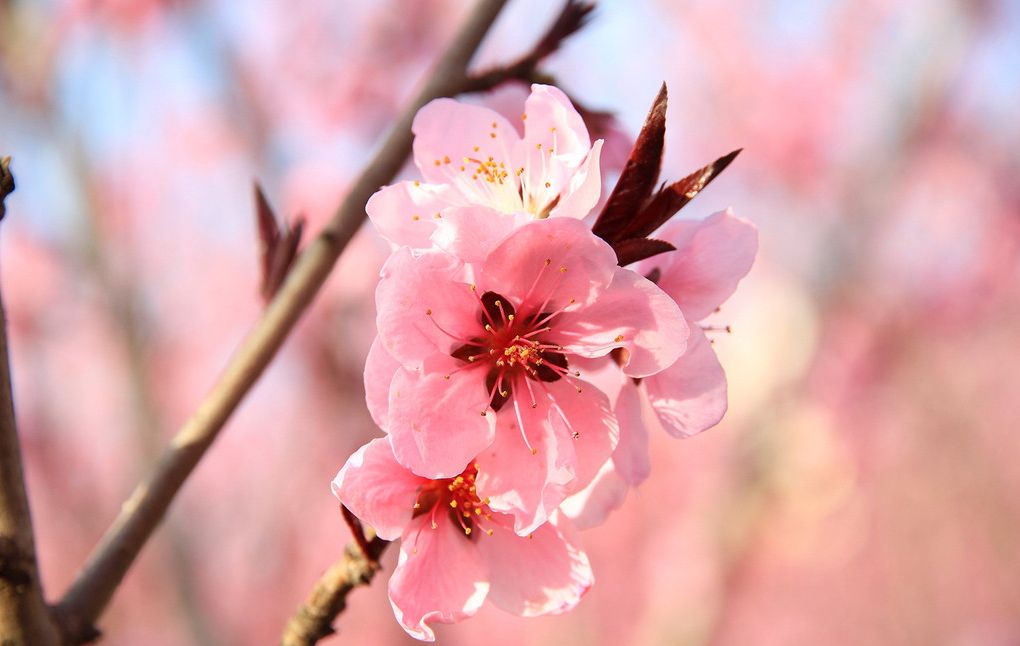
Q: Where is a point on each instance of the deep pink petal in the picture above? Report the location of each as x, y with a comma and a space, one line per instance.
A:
440, 578
379, 370
418, 297
632, 314
711, 258
547, 573
584, 188
405, 213
377, 489
472, 232
592, 506
437, 425
526, 480
447, 131
553, 260
690, 396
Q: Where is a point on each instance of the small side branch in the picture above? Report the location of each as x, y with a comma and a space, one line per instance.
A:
314, 619
24, 617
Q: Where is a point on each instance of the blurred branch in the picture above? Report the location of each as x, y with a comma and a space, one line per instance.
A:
144, 510
314, 619
569, 21
6, 183
24, 617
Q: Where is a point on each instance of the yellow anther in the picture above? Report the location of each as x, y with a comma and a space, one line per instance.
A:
428, 312
453, 503
415, 217
619, 337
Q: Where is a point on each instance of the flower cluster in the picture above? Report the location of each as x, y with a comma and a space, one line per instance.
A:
513, 357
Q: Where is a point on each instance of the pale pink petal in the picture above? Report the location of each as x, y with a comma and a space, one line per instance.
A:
447, 131
440, 577
711, 258
437, 425
526, 485
632, 314
591, 506
377, 489
546, 573
379, 370
472, 232
418, 297
587, 418
552, 121
554, 260
690, 396
631, 455
584, 189
405, 213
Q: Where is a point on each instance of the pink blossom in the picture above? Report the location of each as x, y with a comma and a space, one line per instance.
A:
483, 179
455, 551
465, 342
688, 397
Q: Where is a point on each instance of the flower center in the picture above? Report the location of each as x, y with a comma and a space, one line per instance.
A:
457, 495
512, 347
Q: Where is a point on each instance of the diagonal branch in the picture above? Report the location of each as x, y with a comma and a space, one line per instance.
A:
24, 617
143, 511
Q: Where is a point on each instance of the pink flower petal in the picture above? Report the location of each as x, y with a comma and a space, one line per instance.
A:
547, 573
631, 457
584, 189
553, 122
528, 486
558, 260
440, 578
471, 233
405, 213
632, 314
690, 396
418, 297
437, 425
592, 506
711, 257
447, 131
588, 420
377, 489
379, 370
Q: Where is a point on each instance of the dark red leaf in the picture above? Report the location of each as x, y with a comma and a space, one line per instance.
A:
638, 177
674, 197
635, 249
278, 244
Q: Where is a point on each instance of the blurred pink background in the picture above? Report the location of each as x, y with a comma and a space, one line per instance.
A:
863, 488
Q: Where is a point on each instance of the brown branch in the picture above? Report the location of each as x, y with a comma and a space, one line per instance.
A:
24, 617
314, 619
574, 15
143, 511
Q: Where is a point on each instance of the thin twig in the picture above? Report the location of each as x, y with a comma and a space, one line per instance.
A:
143, 511
24, 617
314, 619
